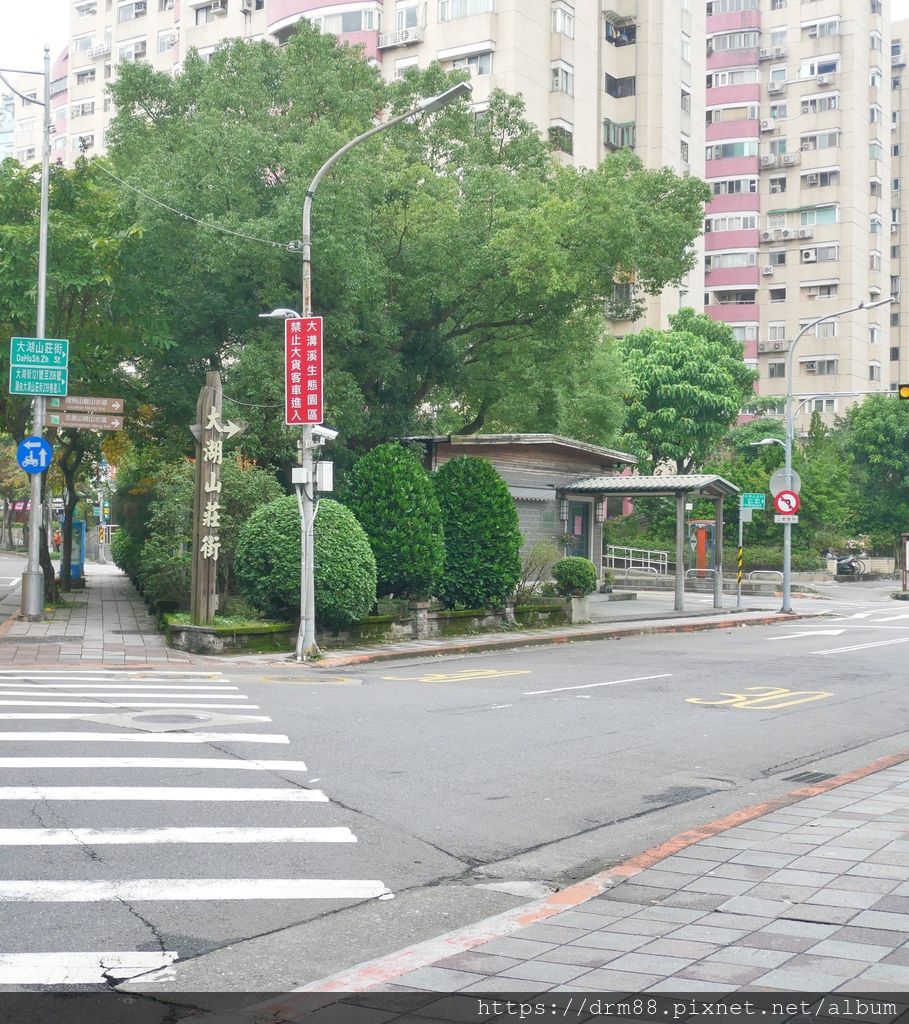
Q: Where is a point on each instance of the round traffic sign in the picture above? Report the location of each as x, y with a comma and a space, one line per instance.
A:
779, 481
34, 454
787, 503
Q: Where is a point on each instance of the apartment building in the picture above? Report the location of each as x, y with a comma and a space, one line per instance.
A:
594, 77
7, 119
799, 136
899, 208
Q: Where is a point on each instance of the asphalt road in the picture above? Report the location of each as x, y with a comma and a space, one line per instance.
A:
11, 568
513, 769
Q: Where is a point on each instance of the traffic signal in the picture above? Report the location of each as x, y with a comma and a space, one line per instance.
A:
903, 391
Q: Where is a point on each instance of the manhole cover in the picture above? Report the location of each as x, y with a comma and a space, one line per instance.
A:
808, 777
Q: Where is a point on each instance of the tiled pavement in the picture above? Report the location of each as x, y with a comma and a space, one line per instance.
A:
106, 623
811, 897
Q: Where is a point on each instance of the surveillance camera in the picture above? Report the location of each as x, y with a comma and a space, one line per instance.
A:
326, 433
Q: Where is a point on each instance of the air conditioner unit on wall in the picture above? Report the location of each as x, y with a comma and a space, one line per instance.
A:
768, 161
809, 256
775, 88
767, 271
823, 79
813, 31
766, 236
767, 126
811, 179
219, 7
786, 233
806, 232
246, 6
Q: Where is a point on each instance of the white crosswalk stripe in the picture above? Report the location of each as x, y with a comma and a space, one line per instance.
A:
32, 781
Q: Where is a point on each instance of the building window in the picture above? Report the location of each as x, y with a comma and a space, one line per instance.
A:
82, 44
561, 136
778, 37
731, 222
876, 151
895, 284
86, 10
562, 20
874, 260
894, 354
563, 78
450, 10
874, 225
819, 367
777, 111
874, 334
777, 294
777, 258
131, 11
476, 64
818, 215
777, 147
875, 188
749, 40
821, 140
776, 370
821, 291
167, 40
746, 76
619, 134
686, 48
776, 331
820, 179
728, 260
722, 150
684, 151
874, 371
85, 109
84, 77
686, 101
819, 66
620, 35
818, 104
730, 6
777, 185
134, 50
876, 78
734, 186
620, 87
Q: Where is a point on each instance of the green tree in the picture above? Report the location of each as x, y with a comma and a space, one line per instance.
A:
393, 497
482, 535
876, 435
687, 385
470, 267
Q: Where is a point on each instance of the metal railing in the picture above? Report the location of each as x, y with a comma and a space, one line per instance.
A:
764, 572
402, 37
618, 557
699, 572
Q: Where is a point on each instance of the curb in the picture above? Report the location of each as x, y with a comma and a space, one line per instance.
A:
385, 969
505, 643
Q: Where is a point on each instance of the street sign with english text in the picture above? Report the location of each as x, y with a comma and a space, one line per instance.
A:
752, 500
83, 421
85, 403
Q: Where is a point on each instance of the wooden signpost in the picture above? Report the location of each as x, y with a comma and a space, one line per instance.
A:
210, 434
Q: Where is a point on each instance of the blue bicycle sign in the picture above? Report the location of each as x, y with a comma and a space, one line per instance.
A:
34, 454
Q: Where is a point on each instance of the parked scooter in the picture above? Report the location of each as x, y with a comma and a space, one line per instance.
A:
847, 565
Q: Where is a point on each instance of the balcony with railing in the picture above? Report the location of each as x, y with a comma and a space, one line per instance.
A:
402, 37
619, 134
101, 50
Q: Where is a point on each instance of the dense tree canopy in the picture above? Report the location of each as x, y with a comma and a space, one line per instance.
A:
456, 262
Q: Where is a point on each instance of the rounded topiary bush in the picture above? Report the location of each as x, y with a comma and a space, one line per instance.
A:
575, 577
482, 535
267, 566
392, 495
165, 574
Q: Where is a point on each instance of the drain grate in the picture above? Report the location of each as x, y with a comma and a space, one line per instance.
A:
808, 777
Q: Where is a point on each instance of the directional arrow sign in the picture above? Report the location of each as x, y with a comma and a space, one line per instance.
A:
84, 421
787, 503
230, 428
34, 454
86, 403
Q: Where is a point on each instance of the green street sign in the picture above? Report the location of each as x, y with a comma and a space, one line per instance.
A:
750, 500
36, 380
46, 352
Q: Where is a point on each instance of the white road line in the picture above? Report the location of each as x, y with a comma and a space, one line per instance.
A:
134, 890
141, 737
9, 581
861, 647
20, 716
120, 704
588, 686
150, 685
78, 968
102, 673
221, 763
861, 615
163, 793
156, 836
892, 618
104, 695
814, 632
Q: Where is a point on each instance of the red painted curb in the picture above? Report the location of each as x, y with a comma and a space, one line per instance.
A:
505, 644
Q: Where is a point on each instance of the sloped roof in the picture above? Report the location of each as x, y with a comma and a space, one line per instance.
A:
541, 439
695, 484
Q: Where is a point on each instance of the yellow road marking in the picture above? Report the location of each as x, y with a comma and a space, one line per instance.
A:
457, 677
764, 698
313, 681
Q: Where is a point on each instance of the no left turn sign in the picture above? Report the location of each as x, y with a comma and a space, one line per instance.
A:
787, 503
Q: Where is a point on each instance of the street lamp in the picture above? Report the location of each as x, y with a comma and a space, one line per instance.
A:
790, 437
306, 637
32, 600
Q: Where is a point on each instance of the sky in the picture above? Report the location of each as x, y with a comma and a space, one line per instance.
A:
27, 25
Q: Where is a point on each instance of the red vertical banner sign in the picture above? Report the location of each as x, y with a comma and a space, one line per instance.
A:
303, 397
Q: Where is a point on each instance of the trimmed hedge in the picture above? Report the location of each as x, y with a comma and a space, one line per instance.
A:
482, 536
575, 577
267, 566
126, 553
392, 496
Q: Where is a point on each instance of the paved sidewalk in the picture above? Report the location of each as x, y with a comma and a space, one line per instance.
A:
803, 894
106, 623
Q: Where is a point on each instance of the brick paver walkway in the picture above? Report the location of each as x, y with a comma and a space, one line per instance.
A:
107, 623
813, 896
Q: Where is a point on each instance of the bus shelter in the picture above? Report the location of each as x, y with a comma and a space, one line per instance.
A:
683, 488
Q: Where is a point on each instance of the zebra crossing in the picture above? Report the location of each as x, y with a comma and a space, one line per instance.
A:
203, 860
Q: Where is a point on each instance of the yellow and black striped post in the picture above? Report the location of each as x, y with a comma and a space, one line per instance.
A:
740, 575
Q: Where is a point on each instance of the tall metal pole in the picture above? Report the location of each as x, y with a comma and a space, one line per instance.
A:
790, 440
32, 601
306, 636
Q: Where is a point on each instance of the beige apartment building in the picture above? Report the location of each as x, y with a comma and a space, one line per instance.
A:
595, 77
899, 208
799, 136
